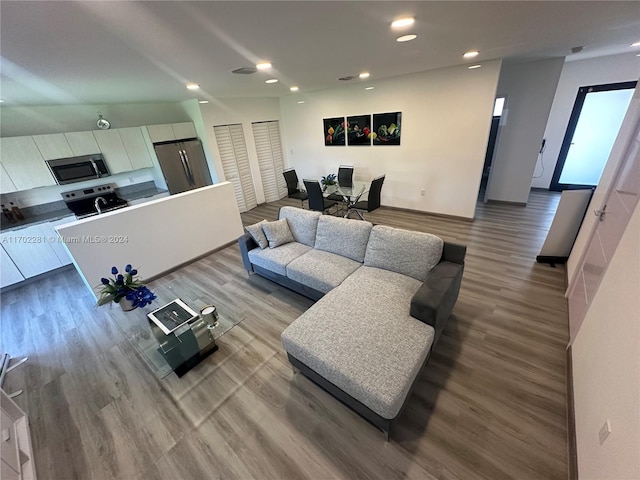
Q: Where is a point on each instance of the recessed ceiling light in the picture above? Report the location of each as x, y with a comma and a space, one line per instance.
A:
271, 80
406, 38
263, 65
471, 54
294, 89
364, 75
636, 44
403, 22
193, 86
301, 101
637, 55
474, 66
1, 101
203, 101
369, 88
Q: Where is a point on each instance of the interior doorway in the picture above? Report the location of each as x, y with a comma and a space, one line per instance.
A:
498, 108
593, 127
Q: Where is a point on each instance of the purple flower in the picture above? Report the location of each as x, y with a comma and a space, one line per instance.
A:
128, 268
133, 272
114, 271
104, 281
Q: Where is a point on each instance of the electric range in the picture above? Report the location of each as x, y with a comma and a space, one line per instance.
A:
82, 202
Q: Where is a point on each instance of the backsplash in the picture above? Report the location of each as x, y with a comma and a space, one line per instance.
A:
44, 196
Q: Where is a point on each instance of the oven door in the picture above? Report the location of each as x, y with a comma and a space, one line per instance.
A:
71, 170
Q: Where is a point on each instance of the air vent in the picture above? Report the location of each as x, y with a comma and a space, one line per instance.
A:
347, 78
244, 70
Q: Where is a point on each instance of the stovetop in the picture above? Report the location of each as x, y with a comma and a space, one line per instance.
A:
82, 202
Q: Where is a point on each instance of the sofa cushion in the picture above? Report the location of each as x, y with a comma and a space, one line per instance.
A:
257, 234
403, 251
277, 233
277, 259
320, 270
364, 343
343, 236
303, 224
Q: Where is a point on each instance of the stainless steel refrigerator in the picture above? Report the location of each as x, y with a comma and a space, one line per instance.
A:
183, 164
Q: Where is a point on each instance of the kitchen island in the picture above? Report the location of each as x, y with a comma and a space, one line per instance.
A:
157, 236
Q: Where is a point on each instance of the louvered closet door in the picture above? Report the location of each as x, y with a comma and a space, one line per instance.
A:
235, 162
269, 149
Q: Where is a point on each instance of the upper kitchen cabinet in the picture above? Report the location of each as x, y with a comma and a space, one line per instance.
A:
82, 143
53, 146
171, 131
24, 163
136, 147
113, 150
6, 184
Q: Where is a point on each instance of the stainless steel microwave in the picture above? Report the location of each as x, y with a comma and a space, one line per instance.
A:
78, 169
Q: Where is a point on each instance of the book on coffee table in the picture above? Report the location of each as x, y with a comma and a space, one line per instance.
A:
172, 316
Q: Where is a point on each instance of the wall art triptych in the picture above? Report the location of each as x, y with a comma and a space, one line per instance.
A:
385, 129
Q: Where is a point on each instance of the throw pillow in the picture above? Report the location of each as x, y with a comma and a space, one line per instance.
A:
257, 234
277, 233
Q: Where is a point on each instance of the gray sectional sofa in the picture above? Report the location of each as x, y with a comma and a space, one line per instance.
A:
384, 296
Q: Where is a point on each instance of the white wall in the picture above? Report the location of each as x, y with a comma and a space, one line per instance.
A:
156, 236
446, 117
37, 120
594, 71
529, 89
606, 368
244, 111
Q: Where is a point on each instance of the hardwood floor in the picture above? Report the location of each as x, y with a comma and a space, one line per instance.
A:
490, 404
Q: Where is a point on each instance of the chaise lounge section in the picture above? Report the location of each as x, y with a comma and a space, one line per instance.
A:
384, 296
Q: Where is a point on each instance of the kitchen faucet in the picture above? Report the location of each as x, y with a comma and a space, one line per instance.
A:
97, 204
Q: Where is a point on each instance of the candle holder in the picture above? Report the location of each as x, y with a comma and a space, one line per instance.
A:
210, 316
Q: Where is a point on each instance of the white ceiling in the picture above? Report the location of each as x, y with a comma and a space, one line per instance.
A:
119, 52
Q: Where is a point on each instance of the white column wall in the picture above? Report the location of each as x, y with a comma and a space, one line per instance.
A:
529, 89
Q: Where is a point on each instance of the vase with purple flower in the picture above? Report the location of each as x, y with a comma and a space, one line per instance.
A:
125, 289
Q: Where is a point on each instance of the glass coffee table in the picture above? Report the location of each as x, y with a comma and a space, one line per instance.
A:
179, 350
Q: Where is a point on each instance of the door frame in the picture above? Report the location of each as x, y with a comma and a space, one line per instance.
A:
555, 184
629, 129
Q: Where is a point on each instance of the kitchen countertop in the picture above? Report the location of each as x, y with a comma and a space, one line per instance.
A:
58, 213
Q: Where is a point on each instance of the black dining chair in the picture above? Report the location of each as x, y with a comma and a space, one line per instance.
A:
291, 178
317, 201
372, 202
345, 179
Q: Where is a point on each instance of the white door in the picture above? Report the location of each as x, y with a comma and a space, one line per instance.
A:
614, 216
269, 149
235, 163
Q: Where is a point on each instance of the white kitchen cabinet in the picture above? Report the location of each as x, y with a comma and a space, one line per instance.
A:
171, 131
82, 143
31, 251
24, 163
56, 244
136, 147
10, 273
184, 130
17, 450
6, 184
113, 150
53, 146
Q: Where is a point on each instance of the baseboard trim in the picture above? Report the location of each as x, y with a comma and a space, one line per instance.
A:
423, 212
551, 260
504, 202
572, 449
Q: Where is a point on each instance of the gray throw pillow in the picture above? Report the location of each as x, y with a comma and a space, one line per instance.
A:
257, 234
278, 233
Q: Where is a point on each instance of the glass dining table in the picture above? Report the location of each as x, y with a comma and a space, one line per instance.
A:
350, 195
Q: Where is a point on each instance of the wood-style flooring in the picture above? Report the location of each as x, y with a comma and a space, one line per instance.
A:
491, 403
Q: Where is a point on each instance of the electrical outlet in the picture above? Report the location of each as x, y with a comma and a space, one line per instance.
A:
422, 192
604, 432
